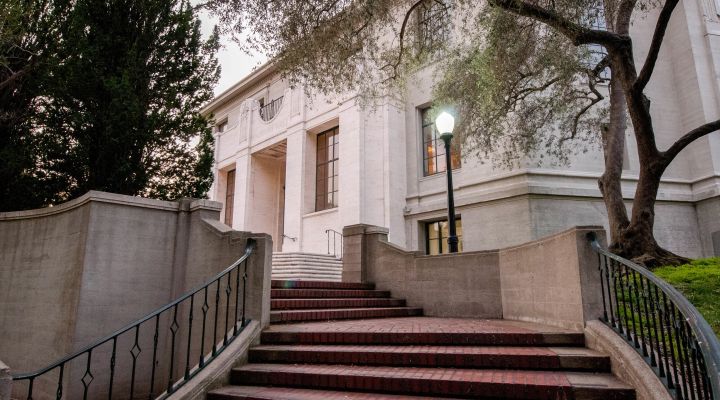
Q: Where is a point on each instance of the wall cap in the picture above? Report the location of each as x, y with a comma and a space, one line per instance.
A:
112, 198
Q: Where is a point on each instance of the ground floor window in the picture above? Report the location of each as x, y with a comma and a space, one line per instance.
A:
436, 236
229, 197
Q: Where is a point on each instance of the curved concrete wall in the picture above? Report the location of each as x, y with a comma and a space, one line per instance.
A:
74, 273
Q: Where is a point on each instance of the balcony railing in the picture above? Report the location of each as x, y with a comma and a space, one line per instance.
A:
269, 110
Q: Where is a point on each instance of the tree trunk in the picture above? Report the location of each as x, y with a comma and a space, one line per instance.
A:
614, 149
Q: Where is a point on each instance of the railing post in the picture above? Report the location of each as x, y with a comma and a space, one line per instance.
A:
5, 382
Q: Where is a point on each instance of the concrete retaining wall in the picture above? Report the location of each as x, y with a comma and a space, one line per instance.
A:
74, 273
550, 281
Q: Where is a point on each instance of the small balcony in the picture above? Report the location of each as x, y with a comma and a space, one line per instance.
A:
269, 110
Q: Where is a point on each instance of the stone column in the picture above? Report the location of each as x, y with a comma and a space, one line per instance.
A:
355, 248
295, 184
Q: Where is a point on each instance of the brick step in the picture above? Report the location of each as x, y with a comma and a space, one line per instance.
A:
536, 358
497, 384
280, 393
423, 338
342, 313
295, 304
325, 293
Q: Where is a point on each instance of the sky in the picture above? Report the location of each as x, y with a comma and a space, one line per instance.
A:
235, 64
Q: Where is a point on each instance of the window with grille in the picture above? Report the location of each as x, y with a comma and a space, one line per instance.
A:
436, 237
434, 147
326, 176
433, 23
229, 197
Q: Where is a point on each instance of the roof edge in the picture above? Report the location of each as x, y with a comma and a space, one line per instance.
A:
259, 73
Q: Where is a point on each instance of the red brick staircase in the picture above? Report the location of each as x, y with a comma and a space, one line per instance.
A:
401, 355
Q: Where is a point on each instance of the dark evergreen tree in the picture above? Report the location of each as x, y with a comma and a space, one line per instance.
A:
119, 109
29, 32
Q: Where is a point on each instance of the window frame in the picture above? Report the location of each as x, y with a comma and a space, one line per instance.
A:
327, 169
229, 196
429, 18
442, 240
438, 147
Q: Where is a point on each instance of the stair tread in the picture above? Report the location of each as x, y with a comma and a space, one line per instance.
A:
317, 285
326, 293
344, 309
281, 393
420, 380
430, 349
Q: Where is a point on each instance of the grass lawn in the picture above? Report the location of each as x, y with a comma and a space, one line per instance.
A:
699, 281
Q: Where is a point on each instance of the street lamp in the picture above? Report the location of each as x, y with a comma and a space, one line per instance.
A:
445, 124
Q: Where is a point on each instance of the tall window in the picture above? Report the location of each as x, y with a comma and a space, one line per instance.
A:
434, 148
229, 197
433, 23
436, 236
326, 173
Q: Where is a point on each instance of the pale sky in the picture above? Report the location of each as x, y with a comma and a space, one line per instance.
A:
234, 63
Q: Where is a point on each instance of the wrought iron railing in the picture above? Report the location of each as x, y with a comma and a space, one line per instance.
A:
269, 110
334, 237
662, 325
179, 349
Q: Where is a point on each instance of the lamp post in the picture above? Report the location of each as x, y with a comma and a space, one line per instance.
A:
445, 124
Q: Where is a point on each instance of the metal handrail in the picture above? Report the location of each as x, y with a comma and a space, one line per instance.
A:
269, 110
335, 235
190, 369
661, 324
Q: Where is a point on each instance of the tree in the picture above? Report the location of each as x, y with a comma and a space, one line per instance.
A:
118, 107
29, 31
531, 97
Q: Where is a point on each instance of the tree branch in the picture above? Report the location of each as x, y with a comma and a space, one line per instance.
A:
401, 38
575, 32
690, 137
655, 45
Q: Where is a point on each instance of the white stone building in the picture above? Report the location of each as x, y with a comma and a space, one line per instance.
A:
295, 168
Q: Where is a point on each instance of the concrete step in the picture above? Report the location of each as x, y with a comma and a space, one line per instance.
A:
306, 257
307, 268
496, 384
325, 293
302, 261
480, 357
280, 393
289, 284
308, 277
281, 316
297, 304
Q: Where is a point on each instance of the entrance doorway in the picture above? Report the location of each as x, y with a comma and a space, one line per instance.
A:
267, 192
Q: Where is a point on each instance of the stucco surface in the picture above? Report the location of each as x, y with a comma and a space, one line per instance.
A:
72, 274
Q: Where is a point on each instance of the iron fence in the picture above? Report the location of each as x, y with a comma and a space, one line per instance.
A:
662, 325
178, 346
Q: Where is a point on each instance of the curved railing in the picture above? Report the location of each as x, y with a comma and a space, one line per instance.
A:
270, 110
662, 325
332, 237
102, 370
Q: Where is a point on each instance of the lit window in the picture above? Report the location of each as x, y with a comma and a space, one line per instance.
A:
433, 24
326, 176
434, 148
436, 237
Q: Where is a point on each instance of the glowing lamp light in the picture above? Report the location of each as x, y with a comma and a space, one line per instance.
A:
445, 123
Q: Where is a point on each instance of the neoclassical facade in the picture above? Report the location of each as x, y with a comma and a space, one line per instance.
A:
295, 167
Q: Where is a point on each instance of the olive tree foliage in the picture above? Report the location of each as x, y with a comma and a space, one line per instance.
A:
527, 78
